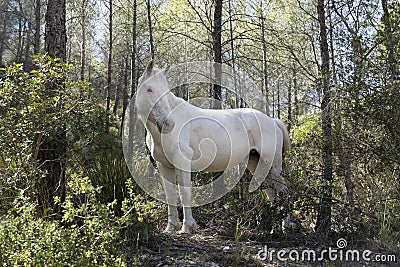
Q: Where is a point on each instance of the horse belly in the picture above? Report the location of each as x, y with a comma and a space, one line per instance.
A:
219, 155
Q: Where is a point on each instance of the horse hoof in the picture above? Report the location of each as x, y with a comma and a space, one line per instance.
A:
170, 229
188, 228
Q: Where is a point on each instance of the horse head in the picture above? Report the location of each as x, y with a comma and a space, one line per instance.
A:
153, 98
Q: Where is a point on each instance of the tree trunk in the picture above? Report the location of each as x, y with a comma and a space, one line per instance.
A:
4, 17
117, 96
27, 62
344, 167
238, 96
55, 31
323, 224
52, 150
148, 5
125, 100
131, 108
278, 99
21, 25
389, 43
289, 104
109, 64
218, 185
36, 42
133, 51
296, 94
83, 47
217, 49
264, 60
2, 41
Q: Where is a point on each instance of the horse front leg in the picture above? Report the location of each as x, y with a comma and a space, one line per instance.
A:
183, 173
171, 194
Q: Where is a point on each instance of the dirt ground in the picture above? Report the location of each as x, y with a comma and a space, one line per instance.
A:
207, 248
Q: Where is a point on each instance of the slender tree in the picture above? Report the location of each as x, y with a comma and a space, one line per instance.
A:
343, 170
389, 42
133, 50
217, 49
21, 29
264, 60
148, 6
36, 40
83, 41
27, 63
323, 224
53, 148
109, 63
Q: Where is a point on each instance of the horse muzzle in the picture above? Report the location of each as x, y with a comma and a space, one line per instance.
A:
165, 126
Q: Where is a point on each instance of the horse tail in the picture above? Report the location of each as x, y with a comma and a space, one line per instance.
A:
286, 142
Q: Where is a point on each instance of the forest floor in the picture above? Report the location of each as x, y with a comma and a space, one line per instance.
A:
204, 249
222, 245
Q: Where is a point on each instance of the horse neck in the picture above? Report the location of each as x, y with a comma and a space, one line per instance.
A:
174, 100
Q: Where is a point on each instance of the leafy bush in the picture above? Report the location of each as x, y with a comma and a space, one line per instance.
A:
101, 206
28, 117
86, 236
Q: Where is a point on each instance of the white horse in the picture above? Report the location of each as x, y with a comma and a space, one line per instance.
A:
185, 138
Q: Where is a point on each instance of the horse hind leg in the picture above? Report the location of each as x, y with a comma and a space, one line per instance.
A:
276, 184
278, 195
259, 169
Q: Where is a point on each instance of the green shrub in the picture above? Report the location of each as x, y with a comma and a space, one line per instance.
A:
87, 235
102, 208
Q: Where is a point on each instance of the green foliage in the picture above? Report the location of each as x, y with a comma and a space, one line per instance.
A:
30, 115
305, 164
101, 205
87, 235
306, 129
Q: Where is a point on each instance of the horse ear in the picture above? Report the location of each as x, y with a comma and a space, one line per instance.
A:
149, 68
166, 70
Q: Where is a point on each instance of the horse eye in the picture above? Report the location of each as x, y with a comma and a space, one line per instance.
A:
149, 90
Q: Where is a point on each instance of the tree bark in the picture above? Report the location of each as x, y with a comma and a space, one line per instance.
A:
55, 31
133, 51
217, 49
27, 62
278, 99
289, 105
148, 5
125, 100
36, 41
296, 94
2, 41
264, 62
4, 17
52, 150
389, 43
219, 184
344, 168
119, 88
130, 109
323, 224
238, 96
21, 27
83, 47
109, 64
